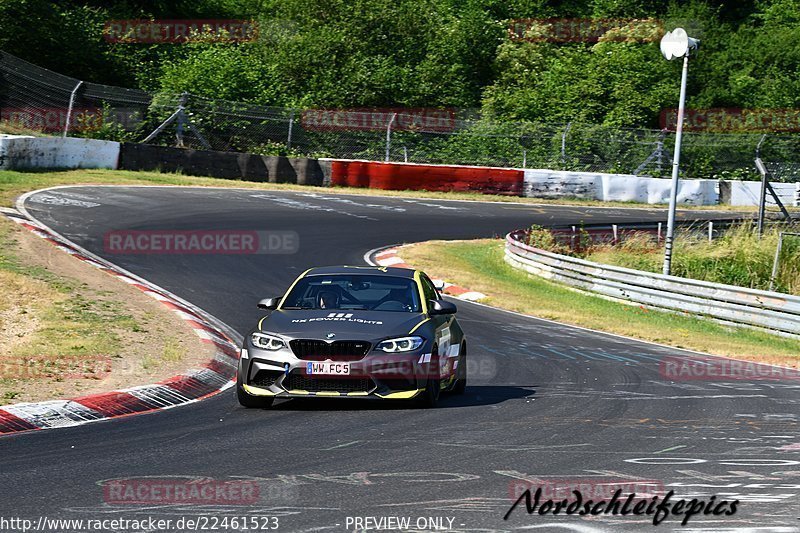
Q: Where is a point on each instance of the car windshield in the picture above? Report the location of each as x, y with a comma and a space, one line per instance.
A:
346, 292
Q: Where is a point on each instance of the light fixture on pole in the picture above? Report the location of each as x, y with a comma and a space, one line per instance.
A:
674, 44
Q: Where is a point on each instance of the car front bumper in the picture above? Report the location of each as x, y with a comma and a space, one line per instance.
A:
376, 376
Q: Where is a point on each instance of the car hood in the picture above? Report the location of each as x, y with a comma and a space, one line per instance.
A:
344, 324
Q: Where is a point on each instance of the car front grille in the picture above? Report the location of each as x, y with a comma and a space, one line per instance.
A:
318, 350
298, 381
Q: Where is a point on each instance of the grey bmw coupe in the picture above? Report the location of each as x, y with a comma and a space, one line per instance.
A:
354, 332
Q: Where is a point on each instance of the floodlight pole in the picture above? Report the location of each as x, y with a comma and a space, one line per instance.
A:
673, 198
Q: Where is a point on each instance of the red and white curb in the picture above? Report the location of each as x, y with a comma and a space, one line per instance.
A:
216, 375
390, 258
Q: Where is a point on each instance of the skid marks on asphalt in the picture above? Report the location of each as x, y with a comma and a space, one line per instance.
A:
307, 206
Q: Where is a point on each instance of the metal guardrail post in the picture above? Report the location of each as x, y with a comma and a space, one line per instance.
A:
71, 105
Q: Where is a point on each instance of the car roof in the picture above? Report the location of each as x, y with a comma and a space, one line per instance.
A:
369, 270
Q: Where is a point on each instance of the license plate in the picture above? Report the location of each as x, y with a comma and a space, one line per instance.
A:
328, 368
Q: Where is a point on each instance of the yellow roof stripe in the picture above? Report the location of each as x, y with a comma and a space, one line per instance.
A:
418, 279
290, 289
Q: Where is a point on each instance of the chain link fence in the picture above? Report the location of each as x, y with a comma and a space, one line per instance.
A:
40, 100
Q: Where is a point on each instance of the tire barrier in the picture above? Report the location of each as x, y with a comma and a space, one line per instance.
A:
225, 165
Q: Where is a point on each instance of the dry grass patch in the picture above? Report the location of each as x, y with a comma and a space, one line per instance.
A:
68, 329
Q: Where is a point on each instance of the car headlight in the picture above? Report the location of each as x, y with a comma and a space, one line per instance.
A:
267, 342
401, 344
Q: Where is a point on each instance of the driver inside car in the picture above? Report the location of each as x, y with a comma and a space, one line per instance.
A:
395, 300
328, 300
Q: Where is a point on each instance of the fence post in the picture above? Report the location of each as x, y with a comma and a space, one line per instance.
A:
564, 146
289, 136
710, 231
524, 159
405, 154
762, 196
775, 261
389, 135
181, 118
660, 151
71, 105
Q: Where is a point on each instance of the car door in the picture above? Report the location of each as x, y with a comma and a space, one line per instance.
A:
443, 333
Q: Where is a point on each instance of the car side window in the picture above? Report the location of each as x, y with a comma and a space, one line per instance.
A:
428, 289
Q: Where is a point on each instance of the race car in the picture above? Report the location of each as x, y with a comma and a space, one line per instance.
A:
354, 332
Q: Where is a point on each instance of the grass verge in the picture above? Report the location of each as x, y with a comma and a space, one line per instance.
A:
479, 266
739, 257
68, 329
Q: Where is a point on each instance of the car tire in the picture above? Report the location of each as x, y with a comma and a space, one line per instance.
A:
460, 386
430, 395
252, 402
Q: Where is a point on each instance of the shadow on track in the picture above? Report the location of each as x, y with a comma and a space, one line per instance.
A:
474, 396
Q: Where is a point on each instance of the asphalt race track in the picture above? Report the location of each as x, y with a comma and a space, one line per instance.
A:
545, 402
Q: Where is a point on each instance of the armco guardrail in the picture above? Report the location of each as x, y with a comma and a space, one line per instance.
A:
771, 311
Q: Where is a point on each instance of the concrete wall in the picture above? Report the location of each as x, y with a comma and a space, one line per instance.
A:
748, 193
542, 183
26, 152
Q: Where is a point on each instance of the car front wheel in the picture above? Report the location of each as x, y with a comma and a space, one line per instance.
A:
430, 395
249, 401
460, 385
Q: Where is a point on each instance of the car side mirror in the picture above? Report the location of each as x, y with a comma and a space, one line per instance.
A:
269, 303
441, 307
